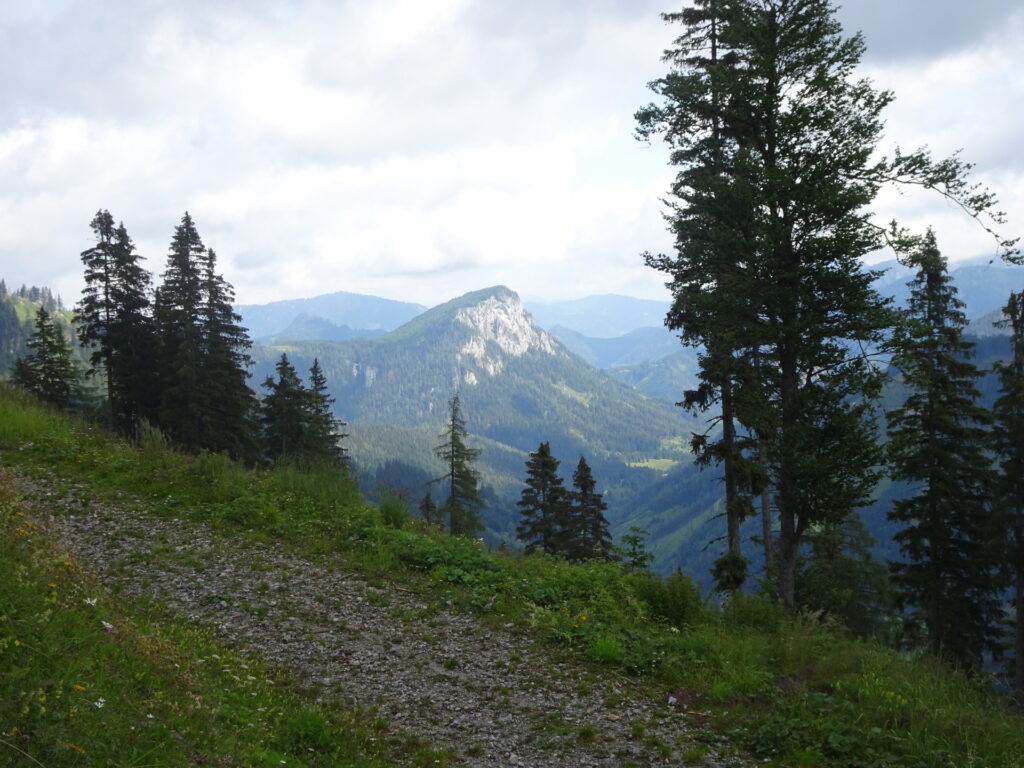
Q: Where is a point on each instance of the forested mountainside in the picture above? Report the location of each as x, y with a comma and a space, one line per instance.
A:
18, 310
518, 385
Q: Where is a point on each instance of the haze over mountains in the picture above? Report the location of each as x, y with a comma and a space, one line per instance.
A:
607, 331
518, 384
593, 376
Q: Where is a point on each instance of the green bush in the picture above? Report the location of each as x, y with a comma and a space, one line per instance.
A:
760, 612
393, 512
675, 600
606, 648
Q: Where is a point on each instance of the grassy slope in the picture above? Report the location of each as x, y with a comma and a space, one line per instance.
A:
796, 693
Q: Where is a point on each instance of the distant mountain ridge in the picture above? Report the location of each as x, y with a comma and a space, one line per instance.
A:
306, 326
983, 286
514, 375
355, 310
603, 316
637, 346
518, 386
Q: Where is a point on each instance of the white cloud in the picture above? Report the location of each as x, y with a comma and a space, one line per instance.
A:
410, 149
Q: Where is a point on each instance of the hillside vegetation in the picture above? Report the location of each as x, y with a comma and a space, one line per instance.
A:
797, 692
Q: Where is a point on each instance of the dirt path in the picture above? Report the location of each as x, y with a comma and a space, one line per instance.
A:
491, 695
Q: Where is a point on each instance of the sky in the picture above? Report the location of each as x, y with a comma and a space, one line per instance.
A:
420, 149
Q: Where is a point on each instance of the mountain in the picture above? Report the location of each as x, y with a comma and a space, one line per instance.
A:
666, 378
983, 286
601, 316
518, 385
306, 326
637, 346
352, 309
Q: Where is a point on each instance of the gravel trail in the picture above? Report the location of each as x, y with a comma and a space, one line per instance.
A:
493, 696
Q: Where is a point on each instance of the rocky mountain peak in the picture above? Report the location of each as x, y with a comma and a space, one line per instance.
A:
500, 329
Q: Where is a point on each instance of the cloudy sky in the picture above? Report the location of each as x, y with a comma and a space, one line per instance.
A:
418, 149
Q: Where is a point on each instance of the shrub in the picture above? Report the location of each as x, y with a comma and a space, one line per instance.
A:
607, 648
675, 599
760, 612
393, 512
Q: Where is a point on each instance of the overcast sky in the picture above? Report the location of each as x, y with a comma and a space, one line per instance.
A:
419, 149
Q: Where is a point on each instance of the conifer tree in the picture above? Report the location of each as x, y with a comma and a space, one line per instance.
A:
633, 549
1008, 434
324, 437
429, 511
296, 421
231, 425
544, 506
183, 405
284, 414
205, 402
951, 578
590, 537
775, 145
112, 318
462, 508
48, 371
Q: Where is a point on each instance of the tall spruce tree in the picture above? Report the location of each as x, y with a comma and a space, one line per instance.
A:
325, 437
48, 371
951, 579
1008, 434
775, 144
428, 510
231, 425
711, 226
113, 319
183, 405
544, 505
205, 402
284, 414
462, 508
590, 538
296, 421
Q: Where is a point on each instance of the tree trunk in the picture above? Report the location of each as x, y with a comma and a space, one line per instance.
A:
729, 446
1018, 677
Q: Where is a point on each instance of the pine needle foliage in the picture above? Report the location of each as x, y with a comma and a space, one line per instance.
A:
205, 402
113, 321
775, 141
297, 425
938, 440
464, 503
48, 371
544, 505
1008, 439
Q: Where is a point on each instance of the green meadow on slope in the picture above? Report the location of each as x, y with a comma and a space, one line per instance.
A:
798, 692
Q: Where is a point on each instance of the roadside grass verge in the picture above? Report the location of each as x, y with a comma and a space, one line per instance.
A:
795, 693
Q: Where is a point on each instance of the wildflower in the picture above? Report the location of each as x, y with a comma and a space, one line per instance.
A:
79, 687
107, 627
99, 702
52, 585
90, 601
78, 749
149, 717
17, 643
